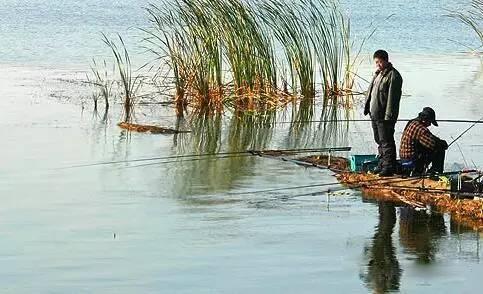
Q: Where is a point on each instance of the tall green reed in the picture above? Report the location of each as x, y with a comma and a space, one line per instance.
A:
102, 81
130, 83
238, 53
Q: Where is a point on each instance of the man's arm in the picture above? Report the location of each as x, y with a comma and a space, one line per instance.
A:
367, 105
427, 139
393, 97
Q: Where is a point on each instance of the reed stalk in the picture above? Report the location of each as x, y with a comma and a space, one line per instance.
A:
130, 83
473, 18
102, 81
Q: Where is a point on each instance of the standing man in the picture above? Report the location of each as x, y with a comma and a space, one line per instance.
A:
382, 104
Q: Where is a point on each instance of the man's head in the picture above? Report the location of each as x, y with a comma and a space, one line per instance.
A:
381, 59
428, 116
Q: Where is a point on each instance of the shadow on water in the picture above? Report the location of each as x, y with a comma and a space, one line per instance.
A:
383, 273
420, 232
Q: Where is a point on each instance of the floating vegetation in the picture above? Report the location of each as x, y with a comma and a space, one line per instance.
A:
148, 128
418, 193
334, 162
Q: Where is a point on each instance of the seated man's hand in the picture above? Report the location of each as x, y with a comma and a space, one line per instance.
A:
443, 144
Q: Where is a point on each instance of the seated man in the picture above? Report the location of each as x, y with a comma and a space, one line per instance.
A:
420, 146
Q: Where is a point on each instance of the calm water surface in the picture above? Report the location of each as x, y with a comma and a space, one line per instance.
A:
194, 226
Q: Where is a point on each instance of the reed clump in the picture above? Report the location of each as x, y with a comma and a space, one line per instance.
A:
101, 80
253, 55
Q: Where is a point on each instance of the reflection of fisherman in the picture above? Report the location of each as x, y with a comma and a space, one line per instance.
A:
420, 146
383, 270
419, 233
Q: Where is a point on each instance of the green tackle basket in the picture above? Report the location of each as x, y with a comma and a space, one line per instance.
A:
363, 162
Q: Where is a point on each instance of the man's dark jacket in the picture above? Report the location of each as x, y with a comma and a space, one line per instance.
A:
388, 95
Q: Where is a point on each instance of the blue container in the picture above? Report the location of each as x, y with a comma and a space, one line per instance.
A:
358, 162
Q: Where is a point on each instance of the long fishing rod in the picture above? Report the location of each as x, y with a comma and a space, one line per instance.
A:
350, 185
285, 188
249, 152
368, 120
405, 188
465, 131
384, 180
378, 181
378, 186
191, 160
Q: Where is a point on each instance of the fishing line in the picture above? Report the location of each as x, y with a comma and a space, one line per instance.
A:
319, 185
411, 188
465, 131
284, 189
381, 181
377, 187
190, 160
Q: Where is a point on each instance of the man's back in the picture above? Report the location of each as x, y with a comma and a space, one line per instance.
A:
415, 133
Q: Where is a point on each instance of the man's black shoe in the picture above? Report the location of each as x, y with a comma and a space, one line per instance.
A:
377, 170
386, 173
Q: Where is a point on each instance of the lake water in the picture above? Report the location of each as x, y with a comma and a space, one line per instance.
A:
201, 226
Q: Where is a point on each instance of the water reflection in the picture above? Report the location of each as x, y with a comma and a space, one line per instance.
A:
211, 134
423, 235
468, 240
215, 174
328, 131
383, 272
420, 232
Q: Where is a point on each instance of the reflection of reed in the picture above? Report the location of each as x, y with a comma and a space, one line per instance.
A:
251, 132
243, 132
206, 133
383, 270
300, 128
240, 132
330, 131
333, 131
420, 231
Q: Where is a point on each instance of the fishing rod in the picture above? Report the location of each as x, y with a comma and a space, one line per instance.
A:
378, 186
384, 180
369, 120
378, 181
191, 160
351, 186
249, 152
465, 131
253, 153
457, 194
285, 188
